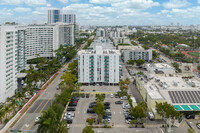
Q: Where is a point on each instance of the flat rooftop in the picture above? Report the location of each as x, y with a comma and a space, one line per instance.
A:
174, 89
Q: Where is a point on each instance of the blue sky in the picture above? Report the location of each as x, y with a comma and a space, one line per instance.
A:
105, 12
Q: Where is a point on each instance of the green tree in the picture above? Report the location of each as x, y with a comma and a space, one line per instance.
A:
190, 130
138, 112
155, 54
167, 111
2, 114
140, 62
90, 121
198, 67
7, 110
69, 79
176, 66
100, 97
127, 81
47, 122
88, 129
99, 110
131, 62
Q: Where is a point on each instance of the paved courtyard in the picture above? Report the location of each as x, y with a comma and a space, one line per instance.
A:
101, 89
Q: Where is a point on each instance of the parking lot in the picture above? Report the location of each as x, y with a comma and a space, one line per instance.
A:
117, 119
79, 121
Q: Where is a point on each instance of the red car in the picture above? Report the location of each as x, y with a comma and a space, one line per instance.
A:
90, 118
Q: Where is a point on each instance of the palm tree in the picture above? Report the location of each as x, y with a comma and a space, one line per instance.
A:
62, 127
2, 114
127, 81
13, 104
47, 122
7, 109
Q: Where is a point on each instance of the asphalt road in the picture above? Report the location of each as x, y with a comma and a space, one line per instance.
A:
133, 91
27, 121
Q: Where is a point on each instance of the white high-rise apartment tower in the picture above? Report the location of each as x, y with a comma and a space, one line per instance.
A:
99, 66
8, 61
54, 16
69, 18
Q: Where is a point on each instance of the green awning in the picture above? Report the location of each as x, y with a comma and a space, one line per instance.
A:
186, 107
194, 107
178, 108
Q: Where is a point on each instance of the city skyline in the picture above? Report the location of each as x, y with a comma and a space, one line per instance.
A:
104, 12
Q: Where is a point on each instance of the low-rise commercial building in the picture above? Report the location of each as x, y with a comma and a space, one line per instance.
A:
181, 92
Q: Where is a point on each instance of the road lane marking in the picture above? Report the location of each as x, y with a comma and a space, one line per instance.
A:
44, 106
114, 112
84, 112
120, 112
38, 106
39, 112
78, 112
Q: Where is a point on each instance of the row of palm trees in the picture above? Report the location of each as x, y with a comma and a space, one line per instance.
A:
7, 111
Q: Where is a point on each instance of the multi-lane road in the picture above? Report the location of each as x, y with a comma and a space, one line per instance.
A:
27, 122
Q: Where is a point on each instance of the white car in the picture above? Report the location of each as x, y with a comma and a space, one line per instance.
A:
108, 110
67, 126
124, 98
36, 119
111, 95
128, 121
126, 106
71, 114
198, 126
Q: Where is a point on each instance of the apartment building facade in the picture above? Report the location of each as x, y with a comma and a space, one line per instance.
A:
99, 66
137, 54
8, 61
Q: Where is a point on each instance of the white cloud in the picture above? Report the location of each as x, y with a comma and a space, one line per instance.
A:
20, 2
100, 1
176, 4
21, 9
6, 12
63, 1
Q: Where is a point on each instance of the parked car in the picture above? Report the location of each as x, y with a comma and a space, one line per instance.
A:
67, 126
87, 95
71, 109
83, 95
190, 116
73, 101
124, 98
69, 121
106, 103
91, 118
151, 116
90, 110
116, 95
73, 104
198, 126
119, 102
70, 114
107, 107
36, 119
111, 95
126, 106
75, 98
129, 117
